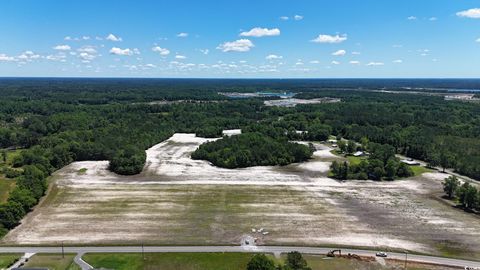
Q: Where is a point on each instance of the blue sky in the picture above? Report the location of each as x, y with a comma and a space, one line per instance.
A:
241, 39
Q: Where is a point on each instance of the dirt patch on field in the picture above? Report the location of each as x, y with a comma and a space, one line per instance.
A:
177, 200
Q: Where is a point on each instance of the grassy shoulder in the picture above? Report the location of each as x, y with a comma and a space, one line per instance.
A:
8, 259
6, 186
52, 262
419, 170
224, 261
170, 261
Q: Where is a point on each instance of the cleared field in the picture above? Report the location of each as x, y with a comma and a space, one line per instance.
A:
179, 201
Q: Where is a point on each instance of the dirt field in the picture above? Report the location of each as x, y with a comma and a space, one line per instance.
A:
177, 200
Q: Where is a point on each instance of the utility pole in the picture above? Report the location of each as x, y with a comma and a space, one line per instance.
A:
143, 252
406, 257
63, 251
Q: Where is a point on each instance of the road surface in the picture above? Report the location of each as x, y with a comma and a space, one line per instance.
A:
253, 249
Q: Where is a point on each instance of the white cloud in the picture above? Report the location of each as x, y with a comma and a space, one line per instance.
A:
284, 18
398, 61
339, 53
411, 18
86, 56
6, 58
86, 38
261, 32
432, 19
62, 48
241, 45
335, 63
178, 56
354, 62
150, 65
330, 39
118, 51
473, 13
356, 53
182, 35
204, 51
314, 62
273, 57
478, 40
375, 64
68, 38
112, 37
161, 51
298, 17
88, 49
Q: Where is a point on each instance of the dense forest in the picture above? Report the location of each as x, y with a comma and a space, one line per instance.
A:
252, 149
58, 121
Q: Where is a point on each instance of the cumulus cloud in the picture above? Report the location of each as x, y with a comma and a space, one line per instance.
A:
87, 49
112, 37
411, 18
314, 62
330, 39
118, 51
398, 61
473, 13
178, 56
432, 19
204, 51
354, 62
182, 35
161, 51
6, 58
298, 17
375, 64
62, 48
339, 53
284, 18
261, 32
478, 40
335, 63
273, 57
86, 57
356, 53
240, 45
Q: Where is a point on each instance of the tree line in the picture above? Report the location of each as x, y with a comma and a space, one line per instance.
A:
294, 261
466, 194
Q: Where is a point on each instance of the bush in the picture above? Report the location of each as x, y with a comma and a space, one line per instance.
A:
260, 262
128, 161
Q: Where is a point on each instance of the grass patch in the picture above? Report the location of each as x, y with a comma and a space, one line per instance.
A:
355, 160
52, 261
12, 154
170, 261
209, 261
82, 171
8, 259
5, 187
419, 170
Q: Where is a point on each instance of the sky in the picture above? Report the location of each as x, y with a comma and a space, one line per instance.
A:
240, 39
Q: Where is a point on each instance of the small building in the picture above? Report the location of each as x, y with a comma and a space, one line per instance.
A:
359, 154
410, 162
332, 141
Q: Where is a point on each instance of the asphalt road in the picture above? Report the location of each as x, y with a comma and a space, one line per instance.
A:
263, 249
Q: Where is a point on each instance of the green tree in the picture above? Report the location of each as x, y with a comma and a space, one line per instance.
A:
295, 261
450, 186
260, 262
342, 145
351, 147
391, 169
446, 160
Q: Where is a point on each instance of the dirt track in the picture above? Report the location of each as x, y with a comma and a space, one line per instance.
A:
177, 200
